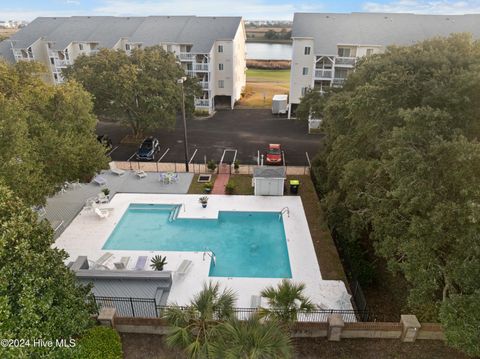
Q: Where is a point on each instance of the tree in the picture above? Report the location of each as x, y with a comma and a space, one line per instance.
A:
140, 89
399, 170
193, 329
312, 105
286, 301
39, 296
48, 131
252, 339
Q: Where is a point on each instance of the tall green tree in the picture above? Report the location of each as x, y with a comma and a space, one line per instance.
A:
286, 301
39, 295
400, 170
140, 89
194, 329
47, 132
252, 339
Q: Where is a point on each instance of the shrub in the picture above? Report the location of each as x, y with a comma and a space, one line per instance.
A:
230, 187
211, 165
100, 343
207, 187
201, 113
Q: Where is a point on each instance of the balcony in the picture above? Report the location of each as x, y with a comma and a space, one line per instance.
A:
204, 85
61, 63
200, 67
323, 73
338, 82
200, 102
190, 73
345, 61
186, 56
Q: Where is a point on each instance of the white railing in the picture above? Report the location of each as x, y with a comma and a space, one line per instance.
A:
61, 63
322, 73
186, 56
338, 82
345, 61
204, 85
200, 102
200, 67
314, 124
190, 73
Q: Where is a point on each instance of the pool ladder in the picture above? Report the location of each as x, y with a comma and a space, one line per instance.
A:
174, 213
283, 211
211, 254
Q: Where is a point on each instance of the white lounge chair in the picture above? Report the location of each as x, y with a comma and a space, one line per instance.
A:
102, 212
99, 180
140, 174
116, 170
141, 260
122, 264
184, 267
100, 262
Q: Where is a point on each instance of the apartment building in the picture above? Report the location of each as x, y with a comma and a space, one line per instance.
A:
326, 47
211, 49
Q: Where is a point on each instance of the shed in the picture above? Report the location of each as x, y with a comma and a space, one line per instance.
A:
279, 104
269, 180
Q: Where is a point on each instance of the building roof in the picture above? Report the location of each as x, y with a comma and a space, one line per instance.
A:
330, 30
269, 172
201, 32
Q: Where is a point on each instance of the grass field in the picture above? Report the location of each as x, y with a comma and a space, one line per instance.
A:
262, 85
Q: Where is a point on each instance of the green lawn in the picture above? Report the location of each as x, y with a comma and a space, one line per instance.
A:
259, 75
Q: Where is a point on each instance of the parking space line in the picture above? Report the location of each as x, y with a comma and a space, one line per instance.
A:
110, 153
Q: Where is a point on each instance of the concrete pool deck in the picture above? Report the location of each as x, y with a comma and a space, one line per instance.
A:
88, 233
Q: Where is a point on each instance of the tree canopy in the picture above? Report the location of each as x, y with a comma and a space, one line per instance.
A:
400, 168
47, 133
39, 296
139, 89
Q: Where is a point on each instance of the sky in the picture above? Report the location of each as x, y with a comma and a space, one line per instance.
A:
249, 9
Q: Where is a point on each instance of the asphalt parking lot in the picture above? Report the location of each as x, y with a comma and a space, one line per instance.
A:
247, 131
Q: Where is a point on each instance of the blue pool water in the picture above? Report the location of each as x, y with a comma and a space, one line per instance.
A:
246, 244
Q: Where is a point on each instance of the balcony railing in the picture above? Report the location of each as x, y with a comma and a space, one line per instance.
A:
200, 67
204, 85
338, 82
186, 56
324, 74
61, 63
190, 73
345, 61
200, 102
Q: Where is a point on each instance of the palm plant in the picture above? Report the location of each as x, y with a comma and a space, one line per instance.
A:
158, 262
193, 328
252, 339
286, 301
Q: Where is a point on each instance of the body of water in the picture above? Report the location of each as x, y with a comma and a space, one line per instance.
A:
266, 51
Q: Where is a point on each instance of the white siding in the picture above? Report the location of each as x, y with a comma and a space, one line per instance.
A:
299, 61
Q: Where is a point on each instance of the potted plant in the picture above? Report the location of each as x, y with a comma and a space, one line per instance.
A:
230, 187
203, 200
158, 262
211, 165
236, 166
207, 187
106, 191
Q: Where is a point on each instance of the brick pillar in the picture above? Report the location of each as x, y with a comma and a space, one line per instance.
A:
410, 328
106, 317
335, 327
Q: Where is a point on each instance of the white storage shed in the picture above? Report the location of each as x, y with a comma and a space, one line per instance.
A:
280, 104
269, 180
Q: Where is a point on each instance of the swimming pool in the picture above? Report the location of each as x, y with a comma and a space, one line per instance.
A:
245, 244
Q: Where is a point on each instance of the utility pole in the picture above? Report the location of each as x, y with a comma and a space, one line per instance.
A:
185, 141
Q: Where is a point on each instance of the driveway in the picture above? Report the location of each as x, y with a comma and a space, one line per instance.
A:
247, 131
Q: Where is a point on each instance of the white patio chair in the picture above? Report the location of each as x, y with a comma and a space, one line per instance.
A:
184, 267
140, 174
122, 264
99, 180
102, 198
102, 212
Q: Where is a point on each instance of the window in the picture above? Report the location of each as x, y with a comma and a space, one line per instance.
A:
369, 52
80, 46
55, 76
220, 67
307, 50
304, 91
220, 48
169, 48
221, 84
52, 60
305, 71
127, 47
343, 52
